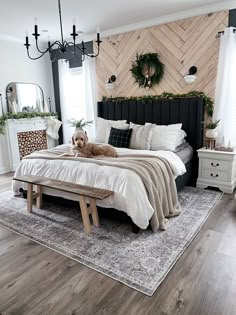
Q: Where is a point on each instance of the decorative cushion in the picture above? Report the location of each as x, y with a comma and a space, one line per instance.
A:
165, 137
141, 136
121, 126
101, 128
120, 138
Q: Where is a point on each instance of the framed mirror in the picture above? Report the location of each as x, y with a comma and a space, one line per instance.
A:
24, 97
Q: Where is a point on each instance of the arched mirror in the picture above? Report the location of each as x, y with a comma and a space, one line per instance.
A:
24, 97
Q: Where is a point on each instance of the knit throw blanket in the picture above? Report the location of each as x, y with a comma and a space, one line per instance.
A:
155, 173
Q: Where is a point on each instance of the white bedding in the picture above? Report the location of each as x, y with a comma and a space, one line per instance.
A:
130, 195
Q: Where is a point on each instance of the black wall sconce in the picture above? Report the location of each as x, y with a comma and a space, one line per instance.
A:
110, 83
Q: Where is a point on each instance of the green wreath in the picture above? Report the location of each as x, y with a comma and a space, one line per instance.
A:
147, 69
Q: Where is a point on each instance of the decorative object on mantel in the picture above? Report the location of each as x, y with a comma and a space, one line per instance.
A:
79, 124
191, 77
147, 70
21, 115
63, 46
22, 96
208, 101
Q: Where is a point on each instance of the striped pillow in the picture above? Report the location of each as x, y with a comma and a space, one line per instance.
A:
141, 136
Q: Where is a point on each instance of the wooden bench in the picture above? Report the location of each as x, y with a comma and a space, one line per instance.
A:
92, 193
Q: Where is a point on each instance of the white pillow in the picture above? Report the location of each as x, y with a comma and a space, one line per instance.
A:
121, 126
141, 136
101, 128
180, 137
165, 137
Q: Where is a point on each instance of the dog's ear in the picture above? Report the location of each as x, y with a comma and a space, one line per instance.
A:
72, 139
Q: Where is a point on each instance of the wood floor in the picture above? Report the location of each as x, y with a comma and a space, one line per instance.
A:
35, 280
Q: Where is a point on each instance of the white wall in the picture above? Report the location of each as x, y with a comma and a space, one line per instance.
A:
15, 66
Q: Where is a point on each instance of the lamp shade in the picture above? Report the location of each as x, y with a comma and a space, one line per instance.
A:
190, 78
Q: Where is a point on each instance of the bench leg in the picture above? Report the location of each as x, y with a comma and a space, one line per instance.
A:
94, 211
30, 197
85, 214
39, 197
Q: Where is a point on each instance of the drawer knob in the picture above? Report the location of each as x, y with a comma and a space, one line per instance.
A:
212, 175
215, 165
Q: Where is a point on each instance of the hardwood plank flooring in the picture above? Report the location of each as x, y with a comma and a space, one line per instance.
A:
36, 280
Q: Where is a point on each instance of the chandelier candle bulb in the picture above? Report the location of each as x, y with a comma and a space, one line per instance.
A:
49, 45
98, 35
36, 29
27, 42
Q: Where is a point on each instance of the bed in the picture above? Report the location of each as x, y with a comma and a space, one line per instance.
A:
188, 111
130, 195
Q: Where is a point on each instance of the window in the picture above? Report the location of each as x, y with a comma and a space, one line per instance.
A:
75, 96
72, 98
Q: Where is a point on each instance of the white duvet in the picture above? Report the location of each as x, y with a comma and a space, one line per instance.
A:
130, 195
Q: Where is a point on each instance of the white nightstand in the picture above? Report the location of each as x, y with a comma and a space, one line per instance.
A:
217, 169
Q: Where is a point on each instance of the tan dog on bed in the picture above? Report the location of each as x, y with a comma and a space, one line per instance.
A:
81, 147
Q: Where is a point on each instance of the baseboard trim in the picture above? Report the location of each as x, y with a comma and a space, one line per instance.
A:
4, 170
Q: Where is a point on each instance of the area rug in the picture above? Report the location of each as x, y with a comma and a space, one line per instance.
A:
140, 261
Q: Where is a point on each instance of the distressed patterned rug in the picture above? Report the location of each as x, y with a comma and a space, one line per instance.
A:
140, 261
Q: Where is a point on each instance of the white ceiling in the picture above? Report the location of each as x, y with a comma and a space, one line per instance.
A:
17, 16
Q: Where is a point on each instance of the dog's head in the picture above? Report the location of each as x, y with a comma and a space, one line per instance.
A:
79, 139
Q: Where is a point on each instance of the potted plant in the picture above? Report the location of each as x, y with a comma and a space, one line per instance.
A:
211, 129
79, 124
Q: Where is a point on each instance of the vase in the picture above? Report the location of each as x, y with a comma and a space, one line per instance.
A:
211, 133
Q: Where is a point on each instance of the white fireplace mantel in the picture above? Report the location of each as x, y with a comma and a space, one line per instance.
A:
15, 126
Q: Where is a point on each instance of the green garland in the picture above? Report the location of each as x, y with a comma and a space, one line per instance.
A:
209, 105
19, 116
147, 65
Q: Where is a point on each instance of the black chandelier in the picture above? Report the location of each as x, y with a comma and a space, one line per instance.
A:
63, 46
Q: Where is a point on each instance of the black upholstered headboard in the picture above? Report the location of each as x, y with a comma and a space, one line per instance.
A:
188, 111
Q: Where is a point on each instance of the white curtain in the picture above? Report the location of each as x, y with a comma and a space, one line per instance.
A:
89, 71
64, 80
225, 95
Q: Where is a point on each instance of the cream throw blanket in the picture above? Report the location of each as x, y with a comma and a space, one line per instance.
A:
155, 173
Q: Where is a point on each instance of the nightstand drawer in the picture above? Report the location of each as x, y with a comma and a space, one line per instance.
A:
215, 165
215, 175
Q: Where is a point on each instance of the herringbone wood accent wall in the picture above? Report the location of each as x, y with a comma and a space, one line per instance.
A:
180, 45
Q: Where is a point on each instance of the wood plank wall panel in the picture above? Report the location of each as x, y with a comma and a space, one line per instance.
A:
180, 44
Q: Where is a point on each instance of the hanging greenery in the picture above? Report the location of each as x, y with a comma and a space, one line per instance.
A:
147, 69
209, 105
19, 116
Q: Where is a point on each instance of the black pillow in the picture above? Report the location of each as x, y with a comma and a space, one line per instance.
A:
120, 138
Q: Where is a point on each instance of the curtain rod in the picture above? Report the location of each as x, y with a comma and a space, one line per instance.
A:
222, 32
